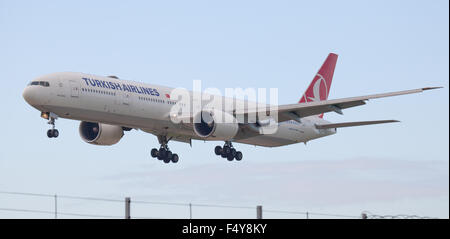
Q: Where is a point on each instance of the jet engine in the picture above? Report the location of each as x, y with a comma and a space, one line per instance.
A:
100, 134
215, 124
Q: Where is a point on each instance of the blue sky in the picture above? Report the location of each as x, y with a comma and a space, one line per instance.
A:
382, 45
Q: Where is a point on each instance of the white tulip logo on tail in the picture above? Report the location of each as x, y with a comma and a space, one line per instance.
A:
317, 89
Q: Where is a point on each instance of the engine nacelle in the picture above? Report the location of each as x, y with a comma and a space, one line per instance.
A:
100, 134
215, 124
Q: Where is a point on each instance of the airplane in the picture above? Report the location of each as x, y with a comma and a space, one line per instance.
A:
107, 106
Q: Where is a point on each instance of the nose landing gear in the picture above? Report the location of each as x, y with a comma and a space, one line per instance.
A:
228, 152
51, 133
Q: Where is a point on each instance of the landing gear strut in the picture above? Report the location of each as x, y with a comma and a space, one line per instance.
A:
164, 153
51, 133
228, 152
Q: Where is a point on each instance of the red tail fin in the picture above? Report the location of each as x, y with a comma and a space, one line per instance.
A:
320, 86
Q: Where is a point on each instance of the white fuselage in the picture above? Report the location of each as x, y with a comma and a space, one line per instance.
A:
142, 106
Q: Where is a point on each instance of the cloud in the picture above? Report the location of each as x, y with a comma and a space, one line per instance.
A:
307, 182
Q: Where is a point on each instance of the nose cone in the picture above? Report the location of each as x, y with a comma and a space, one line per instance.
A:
31, 95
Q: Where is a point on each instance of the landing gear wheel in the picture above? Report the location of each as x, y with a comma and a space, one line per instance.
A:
226, 150
154, 153
169, 155
52, 133
162, 153
55, 133
233, 152
166, 160
175, 158
230, 157
218, 150
238, 156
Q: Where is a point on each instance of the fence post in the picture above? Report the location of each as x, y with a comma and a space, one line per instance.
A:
258, 212
127, 208
190, 210
56, 207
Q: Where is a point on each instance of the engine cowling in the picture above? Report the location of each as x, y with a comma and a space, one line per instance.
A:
215, 124
100, 134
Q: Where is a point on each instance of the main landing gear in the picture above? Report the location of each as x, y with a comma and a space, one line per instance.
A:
228, 152
51, 133
164, 153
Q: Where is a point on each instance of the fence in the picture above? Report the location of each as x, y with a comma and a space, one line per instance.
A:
128, 202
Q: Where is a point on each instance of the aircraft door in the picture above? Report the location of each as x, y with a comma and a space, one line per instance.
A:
60, 89
74, 89
122, 102
126, 98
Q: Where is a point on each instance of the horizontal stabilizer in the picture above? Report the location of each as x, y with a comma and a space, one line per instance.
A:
350, 124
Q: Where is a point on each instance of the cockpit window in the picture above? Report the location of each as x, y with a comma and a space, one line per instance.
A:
41, 83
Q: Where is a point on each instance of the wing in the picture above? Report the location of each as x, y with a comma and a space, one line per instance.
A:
350, 124
297, 111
